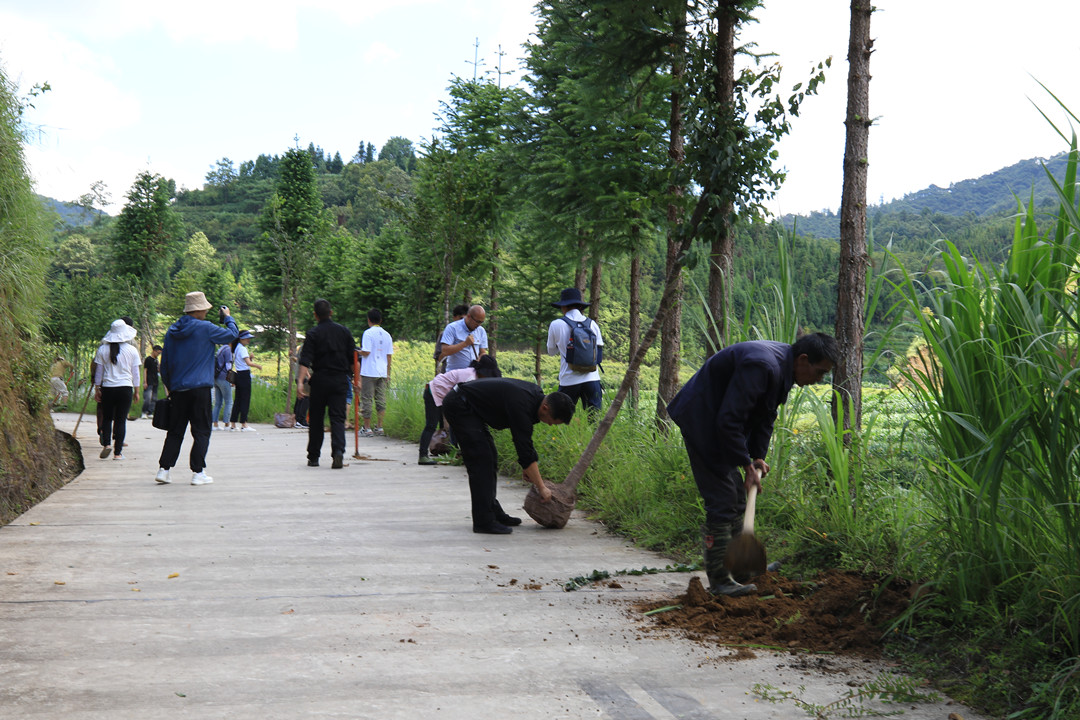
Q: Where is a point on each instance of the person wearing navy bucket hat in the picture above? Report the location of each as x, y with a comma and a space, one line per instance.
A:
576, 339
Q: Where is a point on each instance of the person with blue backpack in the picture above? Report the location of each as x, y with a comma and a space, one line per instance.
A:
577, 341
223, 389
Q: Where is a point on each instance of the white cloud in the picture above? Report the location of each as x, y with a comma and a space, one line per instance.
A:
379, 53
83, 99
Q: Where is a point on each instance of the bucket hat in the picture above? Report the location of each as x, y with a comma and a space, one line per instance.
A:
119, 331
195, 301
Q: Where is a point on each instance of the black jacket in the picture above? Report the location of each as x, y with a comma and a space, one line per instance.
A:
506, 403
328, 348
729, 407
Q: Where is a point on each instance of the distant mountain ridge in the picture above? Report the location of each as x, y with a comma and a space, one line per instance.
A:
73, 215
992, 195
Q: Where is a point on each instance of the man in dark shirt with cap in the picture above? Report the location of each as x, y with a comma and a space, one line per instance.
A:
500, 403
327, 359
726, 414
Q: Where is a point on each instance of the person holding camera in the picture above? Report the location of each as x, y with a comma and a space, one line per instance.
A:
187, 371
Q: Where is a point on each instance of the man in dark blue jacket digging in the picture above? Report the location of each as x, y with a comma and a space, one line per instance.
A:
726, 414
187, 371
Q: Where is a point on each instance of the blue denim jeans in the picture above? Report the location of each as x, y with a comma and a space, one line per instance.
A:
223, 396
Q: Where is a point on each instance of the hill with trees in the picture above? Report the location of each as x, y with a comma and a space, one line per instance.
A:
972, 213
377, 255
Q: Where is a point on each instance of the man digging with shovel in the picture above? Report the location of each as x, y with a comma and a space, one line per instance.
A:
726, 414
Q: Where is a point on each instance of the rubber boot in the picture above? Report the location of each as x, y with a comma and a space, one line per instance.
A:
715, 539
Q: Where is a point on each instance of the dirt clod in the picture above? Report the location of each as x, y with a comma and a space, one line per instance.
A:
835, 612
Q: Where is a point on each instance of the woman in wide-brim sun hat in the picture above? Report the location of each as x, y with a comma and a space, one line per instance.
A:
116, 385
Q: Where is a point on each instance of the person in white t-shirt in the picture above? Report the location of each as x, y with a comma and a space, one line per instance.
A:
116, 386
376, 356
242, 364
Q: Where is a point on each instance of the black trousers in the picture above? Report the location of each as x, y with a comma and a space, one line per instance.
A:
327, 398
432, 419
188, 407
721, 486
242, 398
480, 456
115, 404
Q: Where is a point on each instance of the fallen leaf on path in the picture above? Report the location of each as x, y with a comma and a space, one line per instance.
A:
59, 582
174, 575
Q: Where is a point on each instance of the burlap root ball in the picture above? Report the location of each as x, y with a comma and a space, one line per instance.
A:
555, 513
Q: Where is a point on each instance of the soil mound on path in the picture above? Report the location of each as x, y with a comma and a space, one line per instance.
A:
837, 612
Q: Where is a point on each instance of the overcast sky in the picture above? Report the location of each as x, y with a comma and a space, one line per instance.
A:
173, 87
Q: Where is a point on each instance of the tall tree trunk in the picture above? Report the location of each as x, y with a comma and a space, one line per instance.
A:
594, 289
721, 257
671, 338
851, 284
538, 350
447, 283
493, 305
579, 272
668, 302
635, 318
290, 329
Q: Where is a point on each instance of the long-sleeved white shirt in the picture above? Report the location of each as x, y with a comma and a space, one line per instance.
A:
123, 373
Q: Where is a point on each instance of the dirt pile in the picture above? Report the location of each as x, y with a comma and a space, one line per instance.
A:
833, 612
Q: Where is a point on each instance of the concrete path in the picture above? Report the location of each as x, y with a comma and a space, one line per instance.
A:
282, 591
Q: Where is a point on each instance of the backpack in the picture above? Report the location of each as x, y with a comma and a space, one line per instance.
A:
582, 353
219, 363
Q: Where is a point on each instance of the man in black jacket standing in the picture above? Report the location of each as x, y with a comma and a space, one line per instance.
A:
726, 414
327, 359
501, 403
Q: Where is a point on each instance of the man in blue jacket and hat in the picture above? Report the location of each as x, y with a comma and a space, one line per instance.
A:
187, 371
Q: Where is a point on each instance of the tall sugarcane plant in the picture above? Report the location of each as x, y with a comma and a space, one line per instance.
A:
1000, 396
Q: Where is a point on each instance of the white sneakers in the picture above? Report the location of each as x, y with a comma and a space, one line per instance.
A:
199, 478
248, 429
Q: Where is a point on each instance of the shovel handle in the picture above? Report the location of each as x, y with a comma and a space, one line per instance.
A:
751, 506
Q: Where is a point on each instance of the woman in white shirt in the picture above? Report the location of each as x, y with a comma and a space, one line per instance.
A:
242, 363
116, 386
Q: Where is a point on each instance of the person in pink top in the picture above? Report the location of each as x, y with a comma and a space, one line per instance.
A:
435, 391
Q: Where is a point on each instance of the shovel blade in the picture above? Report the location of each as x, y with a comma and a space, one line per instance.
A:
745, 556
